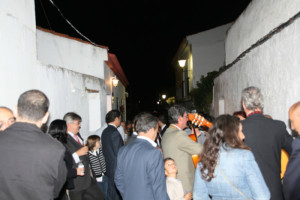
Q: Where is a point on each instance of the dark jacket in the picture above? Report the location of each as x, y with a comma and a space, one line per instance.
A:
291, 180
111, 143
266, 137
80, 182
140, 172
32, 165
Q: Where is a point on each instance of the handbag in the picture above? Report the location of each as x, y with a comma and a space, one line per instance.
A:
231, 183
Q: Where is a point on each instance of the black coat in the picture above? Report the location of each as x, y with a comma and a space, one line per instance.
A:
32, 163
291, 180
266, 137
80, 182
111, 143
163, 131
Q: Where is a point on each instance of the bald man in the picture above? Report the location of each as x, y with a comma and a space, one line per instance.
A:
6, 118
291, 180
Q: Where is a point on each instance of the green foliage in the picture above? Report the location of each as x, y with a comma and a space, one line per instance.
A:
202, 96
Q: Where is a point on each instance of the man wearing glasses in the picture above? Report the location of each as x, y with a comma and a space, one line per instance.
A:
177, 145
86, 187
6, 118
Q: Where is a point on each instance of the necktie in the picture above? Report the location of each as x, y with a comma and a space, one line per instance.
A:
77, 139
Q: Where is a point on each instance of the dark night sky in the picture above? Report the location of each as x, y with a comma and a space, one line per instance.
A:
144, 34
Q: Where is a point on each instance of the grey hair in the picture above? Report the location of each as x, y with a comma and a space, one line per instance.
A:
253, 98
71, 116
175, 112
144, 122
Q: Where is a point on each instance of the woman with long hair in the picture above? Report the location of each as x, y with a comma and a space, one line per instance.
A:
227, 168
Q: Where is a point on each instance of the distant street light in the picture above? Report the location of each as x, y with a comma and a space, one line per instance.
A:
164, 96
115, 81
181, 63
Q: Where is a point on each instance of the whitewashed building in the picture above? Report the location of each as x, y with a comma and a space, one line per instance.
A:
262, 49
71, 72
203, 52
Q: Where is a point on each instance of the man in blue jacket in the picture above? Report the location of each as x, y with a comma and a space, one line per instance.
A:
291, 180
140, 167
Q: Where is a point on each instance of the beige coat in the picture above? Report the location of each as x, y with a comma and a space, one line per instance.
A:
177, 145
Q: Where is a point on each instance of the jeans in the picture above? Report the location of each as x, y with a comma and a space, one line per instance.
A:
103, 185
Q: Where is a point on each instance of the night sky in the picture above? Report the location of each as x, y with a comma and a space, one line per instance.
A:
144, 34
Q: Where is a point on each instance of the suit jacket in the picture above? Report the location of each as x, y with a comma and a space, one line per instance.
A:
177, 145
162, 132
32, 163
80, 182
266, 137
140, 172
72, 172
291, 180
131, 139
111, 143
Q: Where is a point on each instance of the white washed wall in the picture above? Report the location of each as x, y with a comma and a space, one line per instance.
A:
18, 68
62, 68
71, 54
274, 66
66, 92
67, 68
256, 21
119, 91
208, 49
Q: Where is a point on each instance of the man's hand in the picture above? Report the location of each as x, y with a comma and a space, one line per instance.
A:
80, 171
198, 132
188, 196
82, 151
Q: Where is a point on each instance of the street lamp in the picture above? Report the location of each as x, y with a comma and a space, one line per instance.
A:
182, 63
164, 96
115, 81
185, 83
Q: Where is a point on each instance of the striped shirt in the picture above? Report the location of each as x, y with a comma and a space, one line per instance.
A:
97, 162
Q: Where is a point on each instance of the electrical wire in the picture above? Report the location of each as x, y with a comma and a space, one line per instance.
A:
72, 24
45, 14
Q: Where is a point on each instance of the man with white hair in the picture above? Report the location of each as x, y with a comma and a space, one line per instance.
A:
266, 137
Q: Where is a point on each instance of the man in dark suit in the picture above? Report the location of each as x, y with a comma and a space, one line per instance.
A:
32, 165
140, 169
111, 143
291, 180
266, 137
163, 124
86, 187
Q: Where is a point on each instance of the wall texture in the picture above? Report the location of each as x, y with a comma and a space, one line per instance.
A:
208, 49
273, 66
72, 74
17, 49
256, 21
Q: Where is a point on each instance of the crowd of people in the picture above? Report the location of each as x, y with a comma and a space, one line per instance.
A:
149, 158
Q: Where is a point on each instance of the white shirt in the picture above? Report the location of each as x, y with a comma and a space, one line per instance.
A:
162, 128
134, 133
148, 139
121, 131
